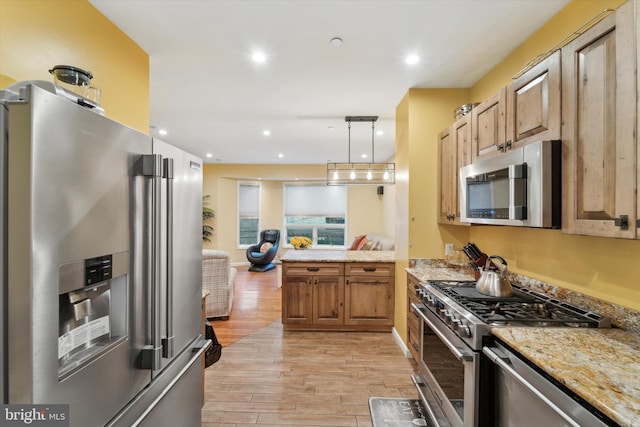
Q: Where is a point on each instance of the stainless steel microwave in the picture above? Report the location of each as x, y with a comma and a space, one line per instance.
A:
521, 187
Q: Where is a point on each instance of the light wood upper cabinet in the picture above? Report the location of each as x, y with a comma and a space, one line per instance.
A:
488, 129
527, 110
533, 104
445, 170
455, 152
637, 57
599, 118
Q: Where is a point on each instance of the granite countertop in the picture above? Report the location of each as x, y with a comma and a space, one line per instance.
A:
600, 365
310, 255
435, 269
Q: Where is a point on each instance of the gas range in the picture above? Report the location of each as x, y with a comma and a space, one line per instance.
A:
471, 315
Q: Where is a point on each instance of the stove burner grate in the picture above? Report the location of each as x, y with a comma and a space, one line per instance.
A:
524, 307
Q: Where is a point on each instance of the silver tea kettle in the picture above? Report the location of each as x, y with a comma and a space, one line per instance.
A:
493, 283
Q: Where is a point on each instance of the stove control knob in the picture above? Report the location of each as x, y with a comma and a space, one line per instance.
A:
465, 331
455, 324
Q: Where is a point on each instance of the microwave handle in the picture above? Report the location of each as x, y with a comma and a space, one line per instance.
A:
517, 173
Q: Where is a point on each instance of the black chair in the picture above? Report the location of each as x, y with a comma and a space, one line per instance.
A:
261, 261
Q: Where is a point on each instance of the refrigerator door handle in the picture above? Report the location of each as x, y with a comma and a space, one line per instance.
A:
167, 342
198, 349
152, 169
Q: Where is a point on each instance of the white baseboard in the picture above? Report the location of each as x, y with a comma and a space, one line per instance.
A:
401, 344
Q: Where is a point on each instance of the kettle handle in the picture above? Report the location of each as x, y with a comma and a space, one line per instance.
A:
502, 267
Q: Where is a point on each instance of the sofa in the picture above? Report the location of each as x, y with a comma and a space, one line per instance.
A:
218, 278
372, 242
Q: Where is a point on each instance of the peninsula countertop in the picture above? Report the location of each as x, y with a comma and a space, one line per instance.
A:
600, 365
310, 255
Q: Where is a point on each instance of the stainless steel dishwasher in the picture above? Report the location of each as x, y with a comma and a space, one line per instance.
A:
523, 397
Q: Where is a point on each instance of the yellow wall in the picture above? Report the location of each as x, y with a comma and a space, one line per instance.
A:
35, 35
603, 268
420, 116
571, 18
600, 267
366, 210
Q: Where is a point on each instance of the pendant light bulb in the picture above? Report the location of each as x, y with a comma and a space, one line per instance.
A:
335, 174
386, 175
353, 174
369, 175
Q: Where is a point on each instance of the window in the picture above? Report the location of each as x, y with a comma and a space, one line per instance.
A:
248, 213
317, 212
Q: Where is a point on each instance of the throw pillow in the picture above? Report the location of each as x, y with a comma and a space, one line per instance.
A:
362, 243
265, 247
356, 242
369, 246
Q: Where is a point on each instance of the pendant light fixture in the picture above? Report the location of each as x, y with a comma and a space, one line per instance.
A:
361, 173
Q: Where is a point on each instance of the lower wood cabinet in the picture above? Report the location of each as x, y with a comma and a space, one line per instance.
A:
413, 324
338, 296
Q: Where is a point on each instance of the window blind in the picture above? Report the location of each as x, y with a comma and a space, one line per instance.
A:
315, 200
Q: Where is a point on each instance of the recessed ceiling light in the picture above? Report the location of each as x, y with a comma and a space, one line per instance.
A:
336, 41
266, 132
412, 59
280, 155
258, 57
379, 132
209, 155
162, 131
364, 156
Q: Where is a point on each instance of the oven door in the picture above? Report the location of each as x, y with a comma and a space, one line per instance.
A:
448, 380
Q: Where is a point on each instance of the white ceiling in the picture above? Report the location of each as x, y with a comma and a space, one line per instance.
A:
212, 98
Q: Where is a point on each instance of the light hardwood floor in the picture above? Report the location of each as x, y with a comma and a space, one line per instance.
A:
272, 378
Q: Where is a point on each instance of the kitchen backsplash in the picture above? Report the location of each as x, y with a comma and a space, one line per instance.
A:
621, 317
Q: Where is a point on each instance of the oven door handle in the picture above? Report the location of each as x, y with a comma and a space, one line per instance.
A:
460, 354
501, 363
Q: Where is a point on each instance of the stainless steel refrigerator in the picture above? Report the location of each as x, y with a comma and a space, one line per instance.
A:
100, 265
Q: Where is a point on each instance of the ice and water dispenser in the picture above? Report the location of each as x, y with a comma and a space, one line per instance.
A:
92, 309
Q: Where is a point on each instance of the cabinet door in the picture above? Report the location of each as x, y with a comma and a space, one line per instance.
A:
455, 152
369, 300
533, 104
488, 129
445, 169
461, 132
599, 115
413, 325
297, 292
637, 58
328, 300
